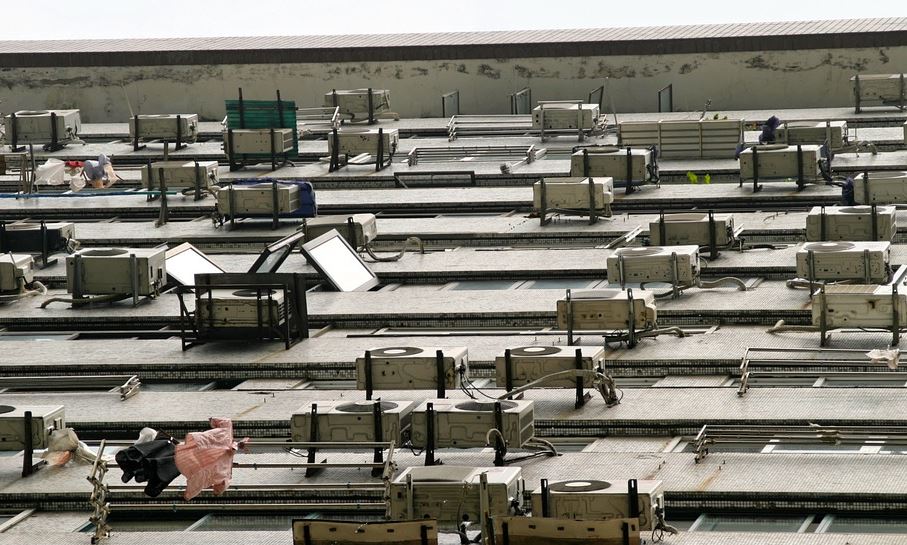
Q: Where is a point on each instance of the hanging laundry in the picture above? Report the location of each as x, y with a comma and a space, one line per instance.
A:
206, 458
151, 462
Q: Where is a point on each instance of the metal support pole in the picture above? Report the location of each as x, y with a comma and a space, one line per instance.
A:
500, 447
135, 137
592, 209
543, 198
28, 466
569, 305
508, 371
369, 385
371, 107
379, 437
713, 236
275, 202
546, 499
379, 161
586, 162
756, 186
179, 133
441, 375
580, 395
631, 322
313, 438
629, 189
430, 435
874, 221
800, 181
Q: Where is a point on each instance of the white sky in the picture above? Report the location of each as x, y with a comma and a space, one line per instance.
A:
68, 19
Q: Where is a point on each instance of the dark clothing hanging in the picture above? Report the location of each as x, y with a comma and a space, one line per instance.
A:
151, 462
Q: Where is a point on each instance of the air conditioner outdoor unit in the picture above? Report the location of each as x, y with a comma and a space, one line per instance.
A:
566, 116
812, 132
858, 306
27, 237
16, 270
411, 368
465, 423
179, 174
836, 261
35, 127
45, 419
258, 141
257, 199
452, 494
884, 89
612, 162
573, 193
358, 140
692, 228
673, 264
360, 231
850, 223
165, 127
355, 102
779, 161
530, 363
607, 309
107, 271
353, 421
242, 308
600, 500
882, 188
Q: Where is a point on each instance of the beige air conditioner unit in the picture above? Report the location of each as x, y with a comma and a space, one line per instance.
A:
355, 102
45, 419
452, 494
165, 127
692, 228
780, 161
858, 306
530, 363
880, 188
611, 162
812, 132
565, 116
465, 423
257, 199
258, 141
180, 174
108, 271
600, 500
353, 421
673, 264
243, 308
574, 194
37, 127
355, 141
411, 368
16, 270
837, 261
607, 309
851, 223
357, 229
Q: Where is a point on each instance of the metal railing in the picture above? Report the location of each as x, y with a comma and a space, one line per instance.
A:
488, 125
519, 155
125, 385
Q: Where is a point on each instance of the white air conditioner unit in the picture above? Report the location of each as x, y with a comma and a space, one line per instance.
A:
692, 228
565, 116
411, 368
573, 193
357, 140
858, 305
242, 308
530, 363
165, 127
16, 270
465, 423
452, 494
45, 419
108, 271
886, 89
364, 228
355, 102
258, 141
812, 132
35, 127
780, 161
850, 223
611, 162
836, 261
353, 421
179, 174
706, 138
257, 199
607, 309
671, 264
883, 188
27, 237
600, 500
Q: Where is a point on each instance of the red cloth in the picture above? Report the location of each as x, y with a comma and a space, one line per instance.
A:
206, 458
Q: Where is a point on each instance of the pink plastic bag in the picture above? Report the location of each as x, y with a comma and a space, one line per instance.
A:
206, 458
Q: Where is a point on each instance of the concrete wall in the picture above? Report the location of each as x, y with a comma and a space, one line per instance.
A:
733, 81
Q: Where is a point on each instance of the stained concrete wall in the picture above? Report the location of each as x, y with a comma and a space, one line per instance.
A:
733, 81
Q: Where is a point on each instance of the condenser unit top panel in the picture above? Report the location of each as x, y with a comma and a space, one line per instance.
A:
616, 488
564, 352
459, 474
